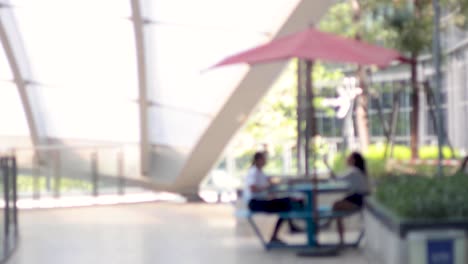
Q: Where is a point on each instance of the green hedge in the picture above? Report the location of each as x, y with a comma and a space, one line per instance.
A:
376, 151
376, 164
425, 198
374, 159
25, 183
432, 152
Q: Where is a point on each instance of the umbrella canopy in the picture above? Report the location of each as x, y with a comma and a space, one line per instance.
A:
312, 44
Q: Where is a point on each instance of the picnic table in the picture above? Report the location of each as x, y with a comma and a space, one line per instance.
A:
305, 213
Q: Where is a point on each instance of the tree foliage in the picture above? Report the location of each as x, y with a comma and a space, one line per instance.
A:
406, 25
339, 20
409, 24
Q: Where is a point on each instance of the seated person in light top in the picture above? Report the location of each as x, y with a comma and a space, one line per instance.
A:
356, 178
256, 195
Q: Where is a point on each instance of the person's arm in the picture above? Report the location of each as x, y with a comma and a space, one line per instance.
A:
325, 161
255, 188
273, 181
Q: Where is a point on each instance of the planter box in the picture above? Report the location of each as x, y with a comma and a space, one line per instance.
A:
393, 240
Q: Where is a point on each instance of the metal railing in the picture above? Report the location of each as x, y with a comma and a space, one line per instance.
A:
58, 171
9, 233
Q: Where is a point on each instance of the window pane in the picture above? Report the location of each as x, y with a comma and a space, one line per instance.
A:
375, 125
176, 128
84, 67
13, 120
228, 15
81, 8
5, 71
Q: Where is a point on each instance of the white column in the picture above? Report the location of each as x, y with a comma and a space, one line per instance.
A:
138, 28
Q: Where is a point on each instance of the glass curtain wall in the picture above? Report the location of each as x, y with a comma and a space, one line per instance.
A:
82, 56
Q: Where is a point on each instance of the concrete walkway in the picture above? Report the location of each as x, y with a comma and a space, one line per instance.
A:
146, 233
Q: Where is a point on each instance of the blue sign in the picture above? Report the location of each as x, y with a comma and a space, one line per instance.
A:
440, 252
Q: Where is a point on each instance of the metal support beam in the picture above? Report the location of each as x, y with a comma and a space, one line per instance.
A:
14, 48
95, 173
57, 173
120, 173
138, 28
438, 80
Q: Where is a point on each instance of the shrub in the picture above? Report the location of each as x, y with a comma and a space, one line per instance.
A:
425, 198
374, 159
25, 183
375, 167
432, 152
376, 164
377, 151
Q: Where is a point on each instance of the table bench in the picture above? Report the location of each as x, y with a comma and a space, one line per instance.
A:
324, 213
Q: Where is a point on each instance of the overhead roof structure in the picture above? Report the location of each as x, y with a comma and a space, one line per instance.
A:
131, 72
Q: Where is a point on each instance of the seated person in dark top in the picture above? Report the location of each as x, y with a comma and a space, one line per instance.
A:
356, 178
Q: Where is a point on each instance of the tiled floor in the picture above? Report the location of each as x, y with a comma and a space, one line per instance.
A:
146, 233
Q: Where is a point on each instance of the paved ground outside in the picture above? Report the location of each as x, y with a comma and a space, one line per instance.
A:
147, 233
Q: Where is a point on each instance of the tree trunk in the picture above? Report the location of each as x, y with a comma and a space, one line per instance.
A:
415, 110
431, 103
394, 121
300, 117
362, 117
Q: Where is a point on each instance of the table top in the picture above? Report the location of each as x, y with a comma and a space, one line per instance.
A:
325, 187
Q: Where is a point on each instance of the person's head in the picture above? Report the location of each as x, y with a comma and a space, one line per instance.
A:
259, 159
356, 160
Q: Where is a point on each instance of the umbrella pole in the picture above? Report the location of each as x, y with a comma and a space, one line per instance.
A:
310, 120
300, 116
308, 66
310, 134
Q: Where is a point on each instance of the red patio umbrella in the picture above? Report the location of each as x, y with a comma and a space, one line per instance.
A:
312, 44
